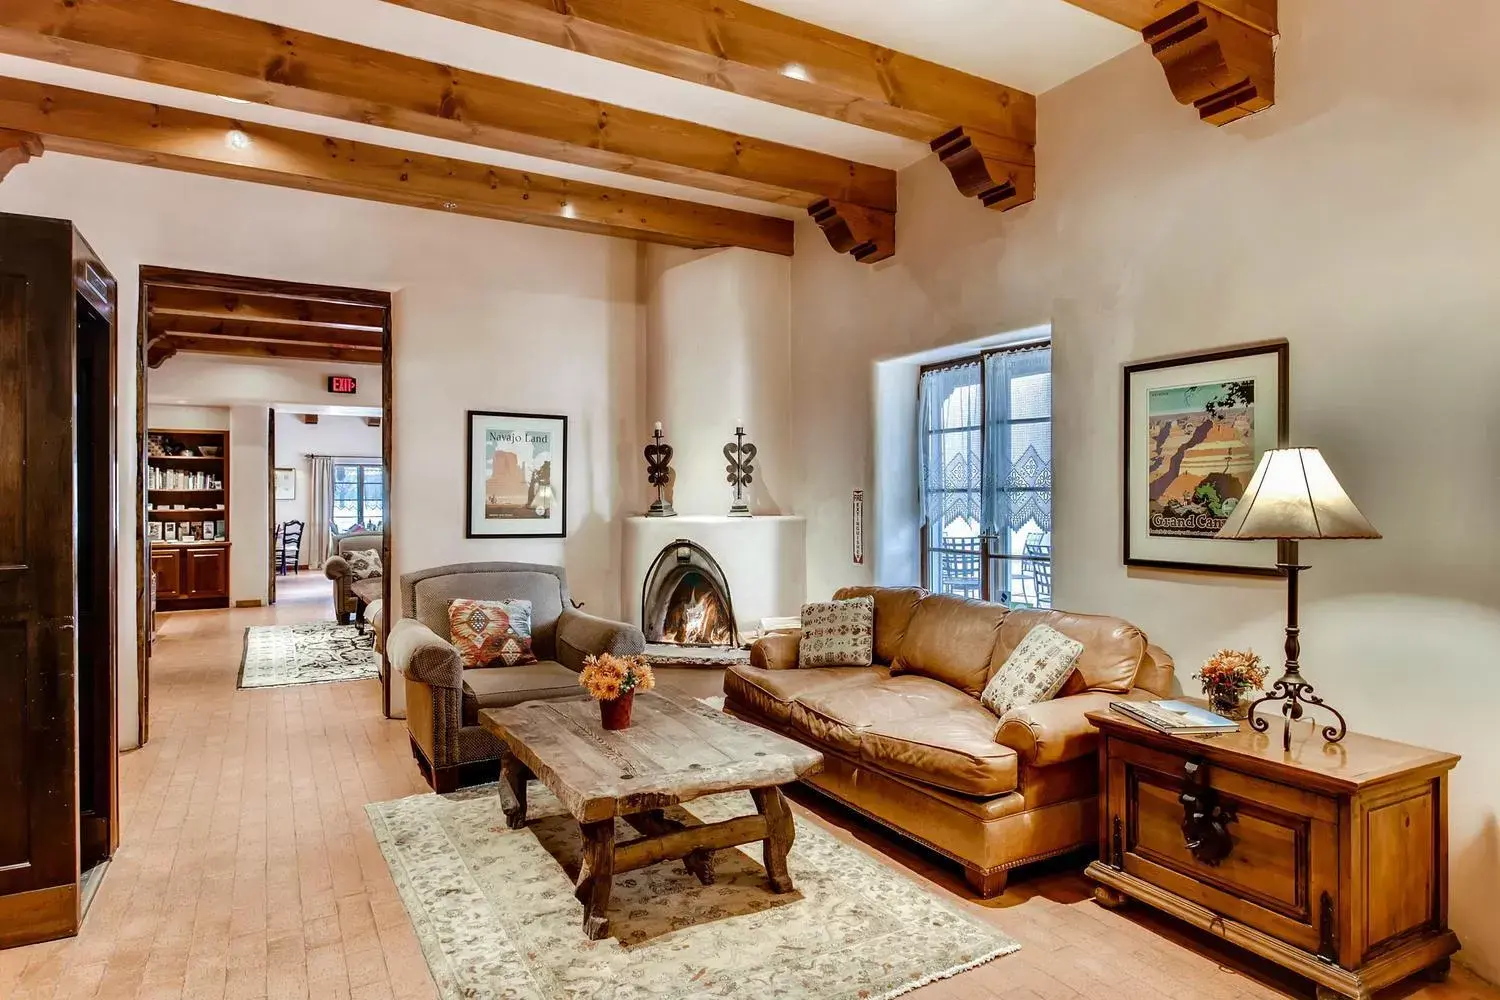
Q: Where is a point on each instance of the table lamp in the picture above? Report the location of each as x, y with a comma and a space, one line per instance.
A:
1293, 496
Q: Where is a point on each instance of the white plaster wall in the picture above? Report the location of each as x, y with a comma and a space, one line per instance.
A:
489, 315
1360, 219
249, 504
342, 437
187, 418
719, 351
201, 378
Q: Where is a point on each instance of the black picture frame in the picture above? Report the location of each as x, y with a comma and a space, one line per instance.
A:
519, 526
1279, 351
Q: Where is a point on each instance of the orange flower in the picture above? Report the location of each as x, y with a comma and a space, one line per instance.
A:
607, 677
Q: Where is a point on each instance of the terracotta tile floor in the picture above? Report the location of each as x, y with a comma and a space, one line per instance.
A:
247, 869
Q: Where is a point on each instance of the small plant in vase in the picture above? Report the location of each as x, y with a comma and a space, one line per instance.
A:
612, 681
1227, 676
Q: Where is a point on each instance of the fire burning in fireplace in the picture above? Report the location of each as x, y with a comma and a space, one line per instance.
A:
697, 619
685, 599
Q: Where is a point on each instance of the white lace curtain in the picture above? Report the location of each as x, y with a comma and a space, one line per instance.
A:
1017, 441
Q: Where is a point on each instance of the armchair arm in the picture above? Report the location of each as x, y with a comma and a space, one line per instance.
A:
777, 651
420, 655
336, 568
1051, 732
579, 635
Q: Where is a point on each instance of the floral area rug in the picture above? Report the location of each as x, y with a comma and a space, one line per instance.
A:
312, 653
495, 913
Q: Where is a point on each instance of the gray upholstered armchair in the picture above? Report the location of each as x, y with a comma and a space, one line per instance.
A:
351, 595
443, 699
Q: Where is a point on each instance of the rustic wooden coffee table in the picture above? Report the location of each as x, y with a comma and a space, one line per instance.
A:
677, 750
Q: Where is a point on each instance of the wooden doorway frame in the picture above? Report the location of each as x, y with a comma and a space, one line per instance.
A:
151, 275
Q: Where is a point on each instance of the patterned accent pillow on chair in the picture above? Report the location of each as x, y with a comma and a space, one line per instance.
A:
491, 633
838, 633
363, 563
1033, 672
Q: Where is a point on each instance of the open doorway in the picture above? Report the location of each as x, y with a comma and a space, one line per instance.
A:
226, 360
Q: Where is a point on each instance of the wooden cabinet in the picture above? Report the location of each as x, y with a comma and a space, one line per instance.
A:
1330, 860
206, 572
191, 576
167, 565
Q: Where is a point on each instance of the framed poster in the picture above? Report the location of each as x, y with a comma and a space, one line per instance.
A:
286, 484
1195, 428
517, 479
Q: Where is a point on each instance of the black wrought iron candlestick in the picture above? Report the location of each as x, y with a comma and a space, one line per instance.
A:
1292, 690
659, 473
741, 455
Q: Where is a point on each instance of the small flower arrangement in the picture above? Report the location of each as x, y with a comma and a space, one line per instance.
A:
1227, 675
607, 677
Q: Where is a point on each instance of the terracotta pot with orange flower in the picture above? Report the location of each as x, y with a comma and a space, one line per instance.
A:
612, 681
1227, 677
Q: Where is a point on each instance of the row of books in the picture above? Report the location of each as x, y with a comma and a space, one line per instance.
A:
1180, 718
183, 506
182, 479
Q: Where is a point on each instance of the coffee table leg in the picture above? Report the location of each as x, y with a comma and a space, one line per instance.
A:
780, 832
656, 823
596, 878
513, 777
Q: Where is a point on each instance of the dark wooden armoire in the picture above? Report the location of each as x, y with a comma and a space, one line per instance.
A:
59, 792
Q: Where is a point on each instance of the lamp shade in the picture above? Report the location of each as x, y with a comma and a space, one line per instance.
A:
1294, 494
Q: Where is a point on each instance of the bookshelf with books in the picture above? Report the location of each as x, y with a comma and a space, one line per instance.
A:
187, 517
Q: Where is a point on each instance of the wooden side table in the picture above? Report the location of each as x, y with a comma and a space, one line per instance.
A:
1330, 860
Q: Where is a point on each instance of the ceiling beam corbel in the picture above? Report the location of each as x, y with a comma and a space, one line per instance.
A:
867, 235
1219, 55
17, 148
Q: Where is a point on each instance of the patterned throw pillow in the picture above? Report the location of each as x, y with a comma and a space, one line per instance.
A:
363, 563
1033, 672
491, 633
838, 633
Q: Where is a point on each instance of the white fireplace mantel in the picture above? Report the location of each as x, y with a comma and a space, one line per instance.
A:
763, 558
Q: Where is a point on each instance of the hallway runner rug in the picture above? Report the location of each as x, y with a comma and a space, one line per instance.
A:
494, 911
312, 653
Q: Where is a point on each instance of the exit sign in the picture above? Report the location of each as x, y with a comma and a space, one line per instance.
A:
344, 384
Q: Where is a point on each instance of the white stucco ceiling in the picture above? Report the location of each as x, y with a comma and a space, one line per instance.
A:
1031, 44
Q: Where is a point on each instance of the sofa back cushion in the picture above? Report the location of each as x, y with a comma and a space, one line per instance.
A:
952, 640
344, 544
1112, 648
894, 607
433, 594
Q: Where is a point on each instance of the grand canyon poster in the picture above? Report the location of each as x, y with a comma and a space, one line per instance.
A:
516, 468
1202, 455
1196, 425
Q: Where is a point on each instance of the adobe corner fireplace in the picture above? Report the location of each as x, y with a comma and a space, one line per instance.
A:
685, 599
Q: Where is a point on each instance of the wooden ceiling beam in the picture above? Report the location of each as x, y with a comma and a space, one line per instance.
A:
736, 46
72, 121
1219, 55
179, 301
261, 349
17, 148
183, 45
270, 333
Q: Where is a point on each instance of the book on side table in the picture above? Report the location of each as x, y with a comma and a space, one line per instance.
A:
1180, 718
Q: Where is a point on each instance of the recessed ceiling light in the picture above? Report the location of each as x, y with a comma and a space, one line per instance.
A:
796, 71
568, 211
235, 139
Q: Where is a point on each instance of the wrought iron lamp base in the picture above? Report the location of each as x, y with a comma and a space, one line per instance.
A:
1294, 693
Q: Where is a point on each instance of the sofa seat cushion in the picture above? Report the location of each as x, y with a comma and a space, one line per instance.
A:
368, 590
770, 693
499, 687
955, 750
837, 716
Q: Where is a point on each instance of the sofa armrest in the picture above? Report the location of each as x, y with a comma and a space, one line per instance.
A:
1051, 732
777, 651
336, 568
422, 656
579, 635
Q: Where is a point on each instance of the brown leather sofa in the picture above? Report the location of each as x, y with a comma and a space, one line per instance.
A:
907, 743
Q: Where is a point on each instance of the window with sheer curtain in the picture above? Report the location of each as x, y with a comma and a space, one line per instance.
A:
358, 495
986, 467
